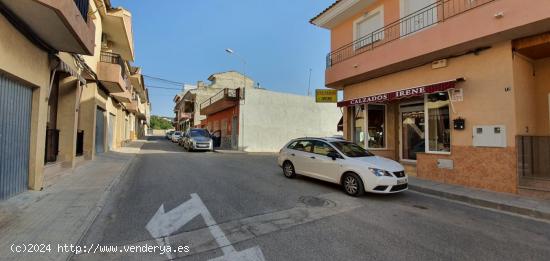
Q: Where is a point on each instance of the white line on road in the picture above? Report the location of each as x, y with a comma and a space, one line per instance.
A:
163, 224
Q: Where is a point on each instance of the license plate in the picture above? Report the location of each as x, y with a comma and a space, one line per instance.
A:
401, 181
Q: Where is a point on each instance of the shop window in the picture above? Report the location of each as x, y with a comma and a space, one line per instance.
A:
376, 119
359, 125
439, 131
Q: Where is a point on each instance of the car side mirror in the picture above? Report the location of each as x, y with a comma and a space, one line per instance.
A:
334, 155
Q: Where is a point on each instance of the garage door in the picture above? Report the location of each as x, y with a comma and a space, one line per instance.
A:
15, 121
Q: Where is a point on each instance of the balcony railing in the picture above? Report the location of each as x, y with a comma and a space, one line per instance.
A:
419, 20
83, 7
533, 156
225, 93
114, 58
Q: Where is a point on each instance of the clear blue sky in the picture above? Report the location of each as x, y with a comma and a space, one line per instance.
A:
184, 41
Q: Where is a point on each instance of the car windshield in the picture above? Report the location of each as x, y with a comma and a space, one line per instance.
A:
177, 133
199, 133
351, 149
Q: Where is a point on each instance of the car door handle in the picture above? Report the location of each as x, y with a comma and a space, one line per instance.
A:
312, 157
292, 154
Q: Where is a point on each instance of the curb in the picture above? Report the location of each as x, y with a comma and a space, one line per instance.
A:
524, 211
230, 151
94, 213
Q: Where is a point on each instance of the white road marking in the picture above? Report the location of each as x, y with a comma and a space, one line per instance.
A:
163, 224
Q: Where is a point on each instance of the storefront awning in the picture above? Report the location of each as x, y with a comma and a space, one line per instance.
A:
401, 94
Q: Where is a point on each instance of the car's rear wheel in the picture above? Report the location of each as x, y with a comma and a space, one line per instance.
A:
353, 185
288, 170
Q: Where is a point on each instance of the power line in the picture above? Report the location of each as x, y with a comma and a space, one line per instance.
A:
166, 88
164, 80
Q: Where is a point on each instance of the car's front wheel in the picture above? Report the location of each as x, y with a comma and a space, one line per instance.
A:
288, 170
353, 185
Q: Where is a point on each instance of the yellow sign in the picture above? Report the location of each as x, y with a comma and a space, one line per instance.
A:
326, 96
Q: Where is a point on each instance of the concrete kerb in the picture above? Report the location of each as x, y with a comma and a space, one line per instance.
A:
94, 213
486, 203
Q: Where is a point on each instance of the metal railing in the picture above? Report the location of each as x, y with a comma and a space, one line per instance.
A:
114, 58
225, 93
419, 20
533, 156
83, 6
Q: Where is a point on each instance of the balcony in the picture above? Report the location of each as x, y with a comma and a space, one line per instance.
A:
222, 100
185, 116
61, 24
117, 27
132, 106
136, 79
111, 72
440, 30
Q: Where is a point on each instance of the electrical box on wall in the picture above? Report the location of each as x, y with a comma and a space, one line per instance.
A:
489, 136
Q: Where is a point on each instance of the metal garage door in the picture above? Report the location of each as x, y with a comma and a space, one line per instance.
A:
15, 121
99, 131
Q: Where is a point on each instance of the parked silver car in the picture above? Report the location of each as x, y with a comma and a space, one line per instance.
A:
176, 136
197, 139
169, 135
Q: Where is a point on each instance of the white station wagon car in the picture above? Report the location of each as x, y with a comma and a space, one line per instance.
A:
342, 162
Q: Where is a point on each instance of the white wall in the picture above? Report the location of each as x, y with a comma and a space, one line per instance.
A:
269, 119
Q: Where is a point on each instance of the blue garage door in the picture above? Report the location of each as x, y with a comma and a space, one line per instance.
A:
15, 127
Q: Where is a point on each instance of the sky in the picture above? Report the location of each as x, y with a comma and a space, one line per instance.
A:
184, 41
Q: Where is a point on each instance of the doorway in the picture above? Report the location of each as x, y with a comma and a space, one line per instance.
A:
412, 130
100, 131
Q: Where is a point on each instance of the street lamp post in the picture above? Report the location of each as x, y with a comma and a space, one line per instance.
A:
230, 51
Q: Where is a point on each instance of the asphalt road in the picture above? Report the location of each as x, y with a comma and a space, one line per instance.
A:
256, 207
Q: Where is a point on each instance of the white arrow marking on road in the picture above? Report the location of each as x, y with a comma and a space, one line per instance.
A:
163, 224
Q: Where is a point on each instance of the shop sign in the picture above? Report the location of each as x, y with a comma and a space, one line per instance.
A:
326, 96
411, 92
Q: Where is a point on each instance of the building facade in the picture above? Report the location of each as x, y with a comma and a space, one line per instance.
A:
56, 109
455, 90
259, 120
187, 103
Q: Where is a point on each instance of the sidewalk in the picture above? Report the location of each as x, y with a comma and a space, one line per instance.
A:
499, 201
62, 212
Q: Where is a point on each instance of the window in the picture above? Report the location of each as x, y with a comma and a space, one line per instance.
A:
322, 148
199, 133
376, 121
304, 145
418, 16
366, 29
351, 149
369, 132
292, 144
439, 131
359, 125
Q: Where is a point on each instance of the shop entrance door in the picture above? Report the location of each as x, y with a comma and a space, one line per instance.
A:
412, 138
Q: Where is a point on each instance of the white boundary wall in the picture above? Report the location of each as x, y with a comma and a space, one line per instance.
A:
268, 120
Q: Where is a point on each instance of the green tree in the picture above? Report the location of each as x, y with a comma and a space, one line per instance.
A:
158, 123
